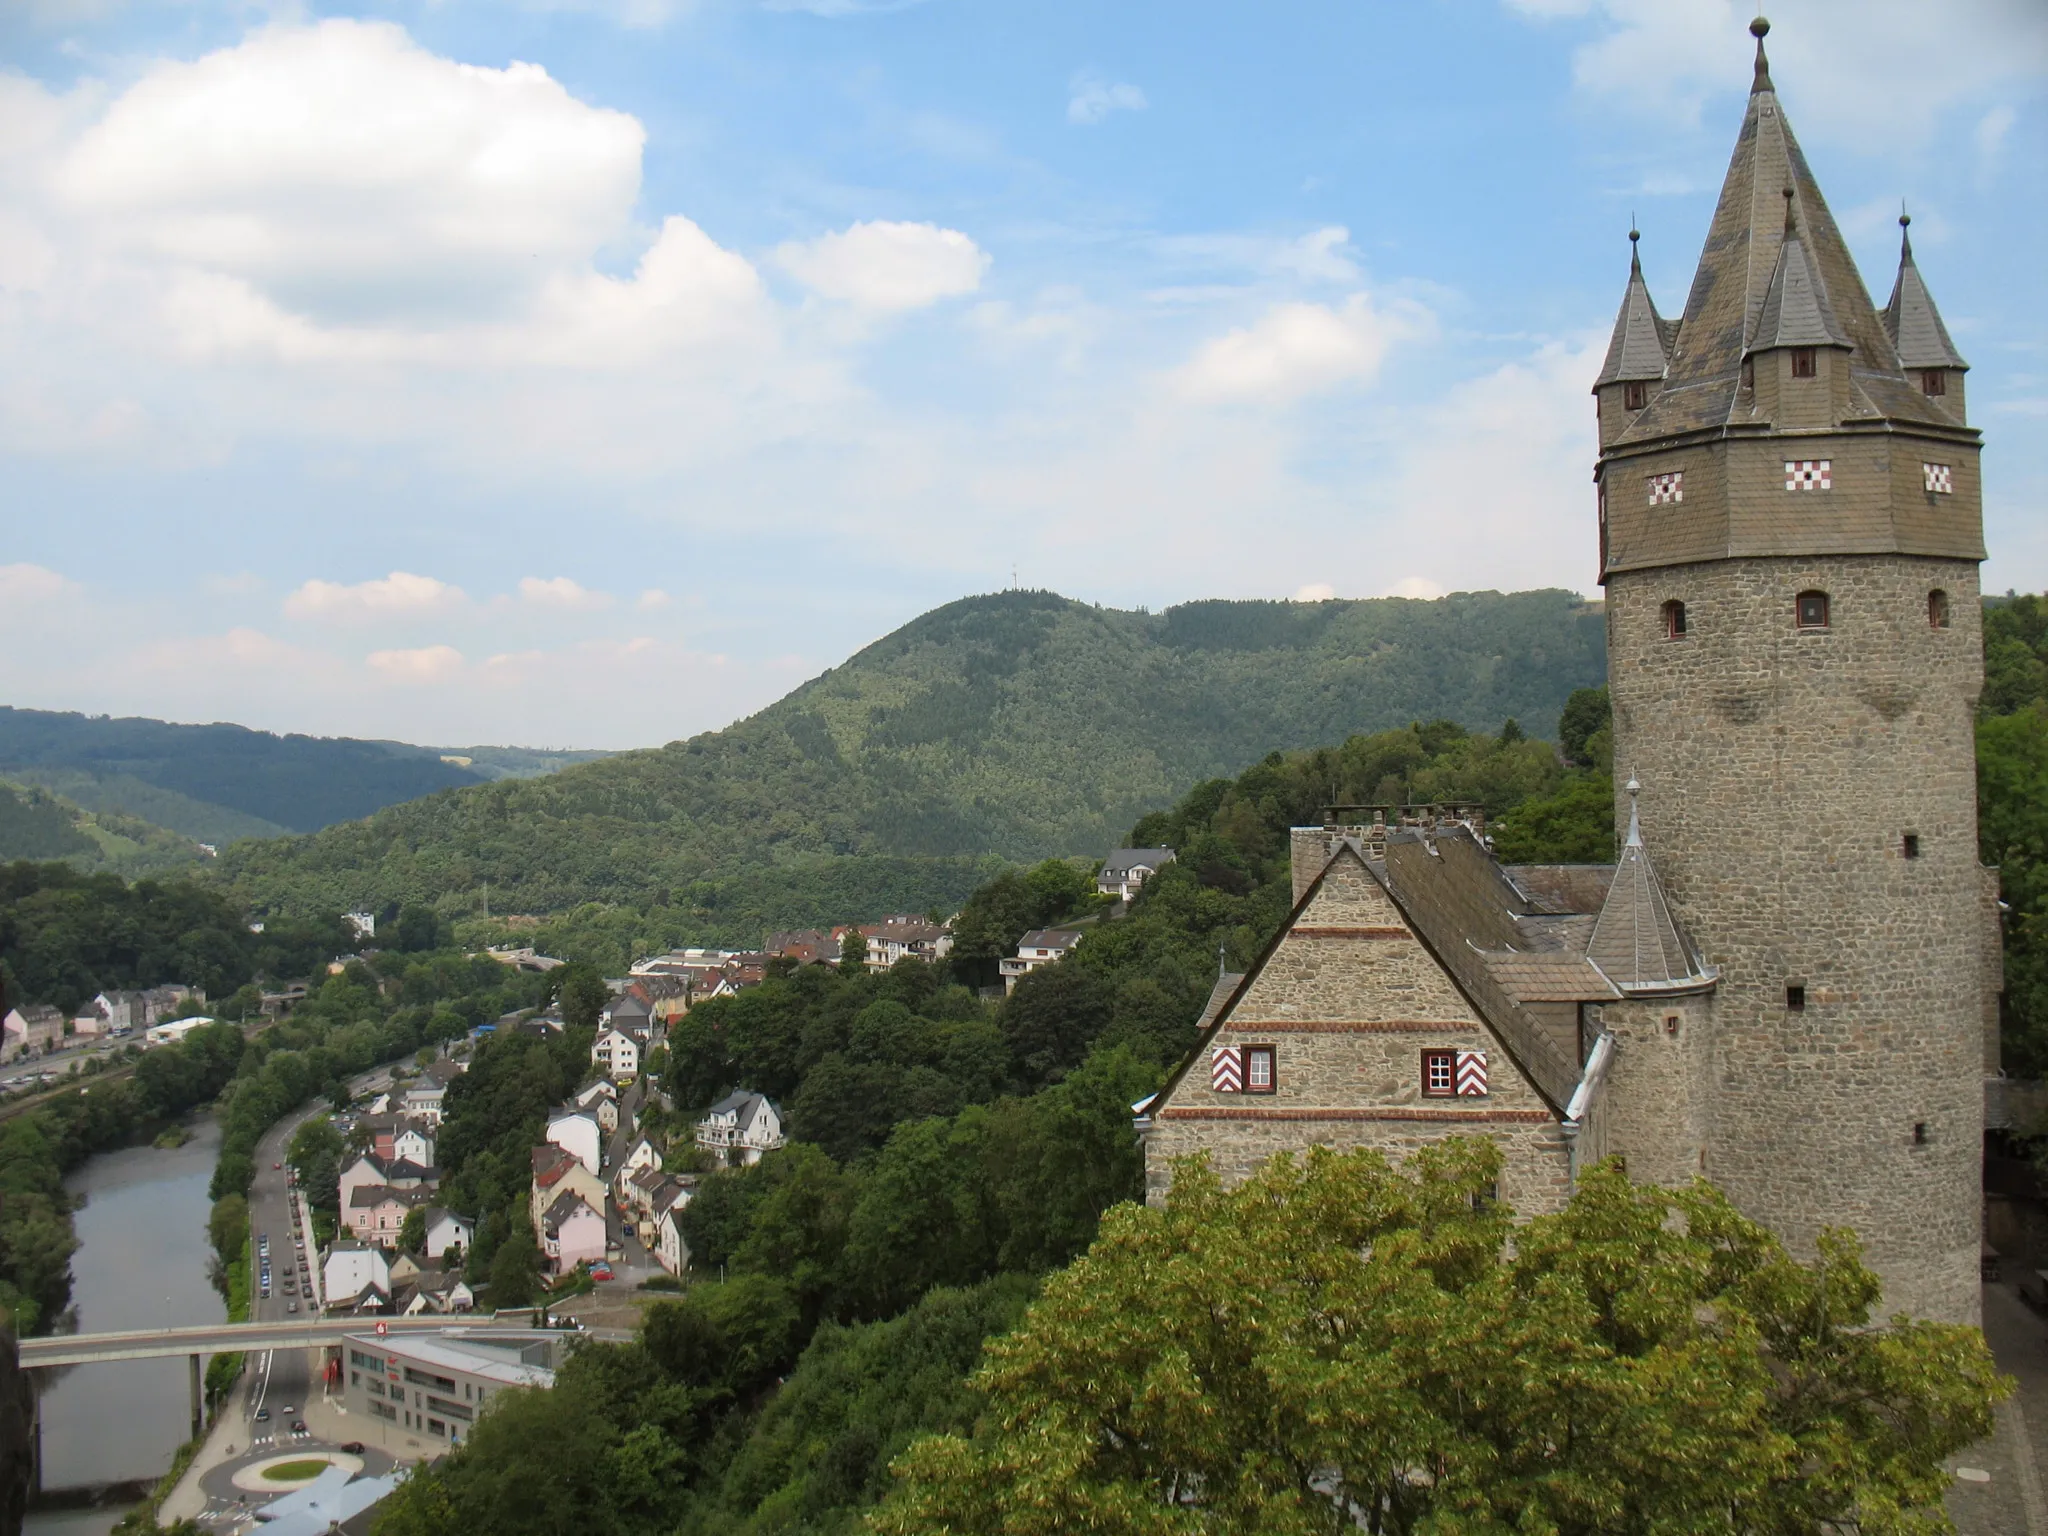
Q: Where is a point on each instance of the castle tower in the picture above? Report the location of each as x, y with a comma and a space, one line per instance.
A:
1790, 527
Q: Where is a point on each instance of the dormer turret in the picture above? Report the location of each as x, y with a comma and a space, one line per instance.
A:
1796, 366
1930, 359
1637, 355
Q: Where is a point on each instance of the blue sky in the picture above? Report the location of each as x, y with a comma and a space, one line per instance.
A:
593, 373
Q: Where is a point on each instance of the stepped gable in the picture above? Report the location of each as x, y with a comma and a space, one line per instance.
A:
1725, 308
1637, 943
1911, 320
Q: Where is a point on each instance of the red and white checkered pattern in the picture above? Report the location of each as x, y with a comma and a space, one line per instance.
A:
1940, 480
1809, 475
1471, 1074
1666, 488
1226, 1069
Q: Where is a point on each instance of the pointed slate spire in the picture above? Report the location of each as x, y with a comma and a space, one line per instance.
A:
1796, 311
1911, 318
1735, 275
1636, 943
1637, 350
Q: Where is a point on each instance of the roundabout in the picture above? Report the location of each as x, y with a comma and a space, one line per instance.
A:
288, 1470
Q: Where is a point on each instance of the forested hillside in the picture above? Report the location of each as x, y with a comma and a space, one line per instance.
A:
2012, 813
36, 824
1020, 725
215, 783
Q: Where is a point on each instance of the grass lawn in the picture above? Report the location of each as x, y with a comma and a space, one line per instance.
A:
302, 1470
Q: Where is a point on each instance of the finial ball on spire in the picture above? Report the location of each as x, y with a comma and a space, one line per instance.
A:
1759, 29
1905, 219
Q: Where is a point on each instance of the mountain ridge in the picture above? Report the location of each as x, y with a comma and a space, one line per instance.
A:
1018, 725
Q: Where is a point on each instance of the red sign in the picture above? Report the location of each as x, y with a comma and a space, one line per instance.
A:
383, 1328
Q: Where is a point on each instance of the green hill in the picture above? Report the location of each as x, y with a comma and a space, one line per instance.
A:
35, 824
217, 783
1018, 725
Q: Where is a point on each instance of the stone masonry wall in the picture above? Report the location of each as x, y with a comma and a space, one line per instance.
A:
1781, 771
1349, 1000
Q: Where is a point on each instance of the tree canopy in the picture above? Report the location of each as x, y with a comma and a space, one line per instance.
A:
1338, 1344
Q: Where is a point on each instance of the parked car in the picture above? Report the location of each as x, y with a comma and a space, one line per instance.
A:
298, 1426
291, 1306
352, 1447
262, 1415
600, 1271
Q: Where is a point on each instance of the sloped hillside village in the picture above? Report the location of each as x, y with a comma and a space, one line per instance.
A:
608, 1188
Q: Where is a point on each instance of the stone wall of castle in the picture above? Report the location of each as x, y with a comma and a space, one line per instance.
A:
1783, 772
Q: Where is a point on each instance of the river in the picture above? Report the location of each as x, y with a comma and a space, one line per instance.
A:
141, 1263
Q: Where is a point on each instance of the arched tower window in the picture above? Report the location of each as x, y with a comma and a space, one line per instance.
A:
1674, 620
1937, 609
1811, 609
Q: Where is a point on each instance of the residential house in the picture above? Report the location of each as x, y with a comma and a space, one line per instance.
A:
541, 1025
555, 1170
413, 1142
601, 1099
35, 1028
642, 1158
739, 1128
446, 1230
577, 1131
806, 946
1039, 947
618, 1054
1126, 870
424, 1095
572, 1232
349, 1269
368, 1174
630, 1014
905, 939
377, 1215
667, 1245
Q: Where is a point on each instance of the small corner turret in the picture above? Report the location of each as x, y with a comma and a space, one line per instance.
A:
1930, 359
1637, 355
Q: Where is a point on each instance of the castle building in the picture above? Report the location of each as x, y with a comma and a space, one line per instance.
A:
1788, 982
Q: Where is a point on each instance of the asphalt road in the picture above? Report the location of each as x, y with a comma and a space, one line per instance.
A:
279, 1381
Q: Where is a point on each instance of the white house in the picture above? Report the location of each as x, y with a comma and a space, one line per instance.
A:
740, 1127
668, 1247
618, 1053
171, 1034
424, 1096
901, 938
365, 1172
1040, 947
34, 1028
349, 1267
641, 1158
1126, 870
577, 1132
446, 1229
412, 1142
571, 1233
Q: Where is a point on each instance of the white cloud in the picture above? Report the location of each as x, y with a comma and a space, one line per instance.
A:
399, 595
428, 664
22, 585
1315, 592
652, 599
561, 594
1872, 71
1090, 99
343, 172
1296, 349
1415, 586
1992, 129
886, 265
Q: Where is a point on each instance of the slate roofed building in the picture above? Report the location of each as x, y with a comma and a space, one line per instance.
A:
1125, 871
1789, 979
1040, 947
740, 1127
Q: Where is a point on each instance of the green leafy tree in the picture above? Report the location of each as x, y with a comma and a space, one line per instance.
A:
853, 950
583, 995
1338, 1345
1586, 713
412, 1232
515, 1267
1573, 826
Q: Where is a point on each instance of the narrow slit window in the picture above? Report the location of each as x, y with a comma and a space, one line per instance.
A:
1635, 396
1674, 620
1795, 999
1259, 1076
1812, 610
1937, 609
1933, 381
1439, 1074
1909, 845
1804, 364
